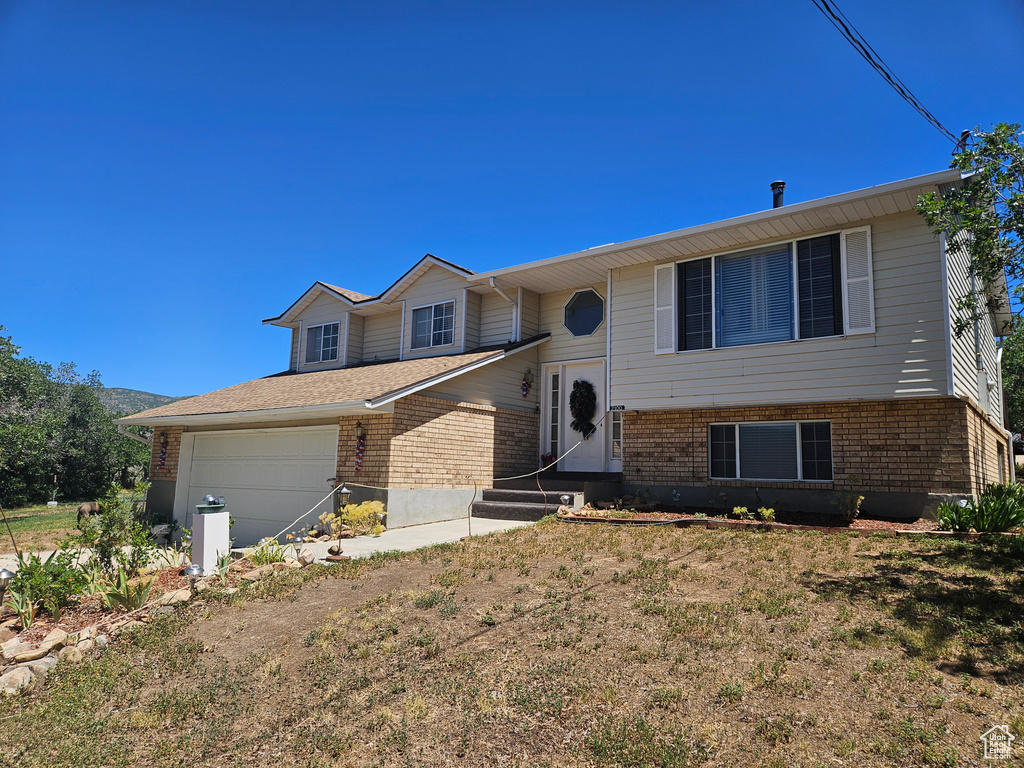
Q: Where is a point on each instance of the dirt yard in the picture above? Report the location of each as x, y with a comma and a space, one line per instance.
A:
567, 645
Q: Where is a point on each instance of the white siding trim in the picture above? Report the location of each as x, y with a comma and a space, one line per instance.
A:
401, 335
947, 314
857, 276
608, 343
518, 315
665, 309
344, 347
465, 304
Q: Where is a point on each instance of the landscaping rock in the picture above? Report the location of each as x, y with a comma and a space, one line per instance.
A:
306, 557
292, 565
258, 573
6, 634
101, 641
70, 654
175, 597
230, 590
85, 645
87, 634
17, 680
41, 667
58, 637
35, 653
290, 560
15, 647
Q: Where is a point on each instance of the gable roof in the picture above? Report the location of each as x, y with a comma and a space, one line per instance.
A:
324, 393
361, 299
798, 219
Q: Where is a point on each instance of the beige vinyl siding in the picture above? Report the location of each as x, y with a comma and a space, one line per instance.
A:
965, 377
293, 356
381, 336
472, 320
323, 309
563, 346
905, 357
495, 320
354, 352
437, 285
530, 314
498, 384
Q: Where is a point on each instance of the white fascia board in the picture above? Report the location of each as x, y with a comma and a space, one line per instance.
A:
932, 179
426, 384
267, 414
317, 286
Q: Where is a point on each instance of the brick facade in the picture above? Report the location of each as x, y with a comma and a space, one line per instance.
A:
933, 445
442, 444
170, 468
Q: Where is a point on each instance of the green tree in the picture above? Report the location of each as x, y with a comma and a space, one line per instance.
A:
1013, 377
53, 423
983, 217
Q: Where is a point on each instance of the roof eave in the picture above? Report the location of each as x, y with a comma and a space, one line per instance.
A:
322, 410
931, 179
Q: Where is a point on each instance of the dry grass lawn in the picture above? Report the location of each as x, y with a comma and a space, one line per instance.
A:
556, 645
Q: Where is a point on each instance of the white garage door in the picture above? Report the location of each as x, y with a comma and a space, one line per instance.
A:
267, 477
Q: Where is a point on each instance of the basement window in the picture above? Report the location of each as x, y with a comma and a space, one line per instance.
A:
783, 450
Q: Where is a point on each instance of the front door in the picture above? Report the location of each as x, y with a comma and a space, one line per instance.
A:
589, 456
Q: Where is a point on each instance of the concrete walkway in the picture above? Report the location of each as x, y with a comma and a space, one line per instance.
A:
409, 538
393, 539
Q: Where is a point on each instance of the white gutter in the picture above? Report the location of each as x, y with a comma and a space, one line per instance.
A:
931, 179
227, 417
515, 309
123, 430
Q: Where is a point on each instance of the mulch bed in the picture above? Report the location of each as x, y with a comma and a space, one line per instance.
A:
714, 518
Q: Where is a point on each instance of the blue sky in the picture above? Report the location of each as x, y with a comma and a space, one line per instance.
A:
171, 173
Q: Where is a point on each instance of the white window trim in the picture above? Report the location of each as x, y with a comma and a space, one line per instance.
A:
604, 312
305, 343
799, 451
796, 292
412, 327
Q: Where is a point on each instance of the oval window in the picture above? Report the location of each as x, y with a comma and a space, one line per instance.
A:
583, 313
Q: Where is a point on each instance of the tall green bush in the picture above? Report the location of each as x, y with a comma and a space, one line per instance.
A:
998, 509
120, 537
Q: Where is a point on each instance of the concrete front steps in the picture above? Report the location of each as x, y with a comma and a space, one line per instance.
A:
521, 499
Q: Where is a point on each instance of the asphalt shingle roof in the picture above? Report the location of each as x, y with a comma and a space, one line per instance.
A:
341, 385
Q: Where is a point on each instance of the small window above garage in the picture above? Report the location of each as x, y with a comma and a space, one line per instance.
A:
583, 313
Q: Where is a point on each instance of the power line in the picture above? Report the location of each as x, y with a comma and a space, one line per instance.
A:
856, 39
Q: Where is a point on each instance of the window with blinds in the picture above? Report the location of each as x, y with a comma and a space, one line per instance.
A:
800, 450
804, 289
433, 326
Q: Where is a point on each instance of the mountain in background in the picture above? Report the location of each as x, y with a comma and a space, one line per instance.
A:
127, 401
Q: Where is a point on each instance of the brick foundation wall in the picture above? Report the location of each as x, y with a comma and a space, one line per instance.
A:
933, 445
984, 441
443, 444
170, 469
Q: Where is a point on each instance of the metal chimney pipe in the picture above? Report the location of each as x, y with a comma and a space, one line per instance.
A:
778, 189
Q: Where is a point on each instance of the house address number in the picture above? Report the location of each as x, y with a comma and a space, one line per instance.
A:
616, 407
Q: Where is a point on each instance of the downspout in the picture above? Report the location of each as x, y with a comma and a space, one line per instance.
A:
1002, 405
515, 309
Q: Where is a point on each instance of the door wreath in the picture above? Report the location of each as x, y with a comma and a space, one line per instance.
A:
582, 406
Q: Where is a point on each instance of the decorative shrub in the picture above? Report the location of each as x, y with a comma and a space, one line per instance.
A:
363, 518
52, 582
1000, 508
